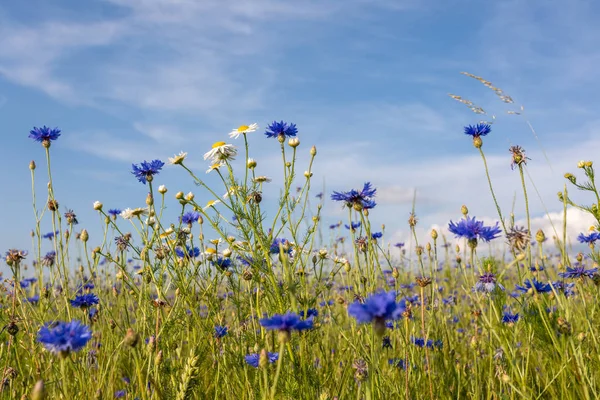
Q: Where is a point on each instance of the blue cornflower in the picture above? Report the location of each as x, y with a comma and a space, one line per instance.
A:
589, 239
33, 299
190, 217
353, 225
478, 130
222, 262
362, 200
220, 331
44, 134
285, 324
319, 195
377, 308
509, 318
190, 252
376, 235
578, 271
245, 260
92, 313
472, 230
120, 394
114, 212
281, 130
145, 171
386, 342
420, 342
311, 312
64, 337
277, 242
487, 283
398, 363
534, 285
85, 300
399, 245
253, 359
568, 289
50, 235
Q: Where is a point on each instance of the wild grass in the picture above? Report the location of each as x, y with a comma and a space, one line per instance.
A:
187, 308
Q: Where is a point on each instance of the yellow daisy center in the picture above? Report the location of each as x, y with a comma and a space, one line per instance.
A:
211, 203
218, 144
210, 250
243, 128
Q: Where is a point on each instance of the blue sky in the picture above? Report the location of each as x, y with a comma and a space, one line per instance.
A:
367, 82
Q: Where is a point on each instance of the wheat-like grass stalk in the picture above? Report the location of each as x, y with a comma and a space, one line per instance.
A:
188, 378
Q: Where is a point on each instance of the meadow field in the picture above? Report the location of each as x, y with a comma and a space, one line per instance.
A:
235, 301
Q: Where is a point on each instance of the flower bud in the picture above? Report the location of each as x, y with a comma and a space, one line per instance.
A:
39, 391
434, 234
162, 189
308, 174
313, 151
294, 142
32, 165
179, 195
131, 338
189, 196
464, 210
149, 200
539, 236
84, 236
97, 206
251, 163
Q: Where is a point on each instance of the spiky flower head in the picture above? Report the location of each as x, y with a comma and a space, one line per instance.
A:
378, 308
63, 337
362, 200
44, 135
255, 358
281, 130
487, 283
145, 171
534, 286
286, 322
578, 272
14, 256
476, 131
518, 156
518, 238
85, 301
473, 230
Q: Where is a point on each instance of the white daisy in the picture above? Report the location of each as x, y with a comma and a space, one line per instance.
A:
178, 158
221, 151
262, 179
128, 213
211, 203
234, 134
214, 166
